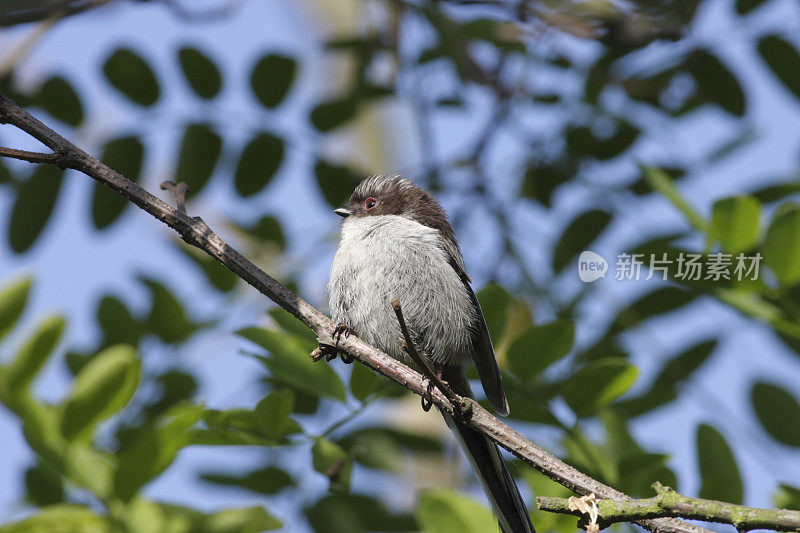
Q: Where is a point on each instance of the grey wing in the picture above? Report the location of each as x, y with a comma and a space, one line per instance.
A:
482, 352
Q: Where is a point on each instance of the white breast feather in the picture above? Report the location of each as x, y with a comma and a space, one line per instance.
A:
385, 257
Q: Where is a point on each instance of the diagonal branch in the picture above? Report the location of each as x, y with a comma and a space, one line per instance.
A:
30, 157
670, 503
195, 232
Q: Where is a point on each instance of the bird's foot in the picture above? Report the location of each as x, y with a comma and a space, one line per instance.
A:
341, 329
427, 398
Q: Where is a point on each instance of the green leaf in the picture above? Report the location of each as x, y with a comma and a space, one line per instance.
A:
660, 182
783, 59
85, 467
363, 382
290, 362
734, 223
218, 275
272, 413
330, 460
333, 113
716, 83
266, 229
355, 513
62, 518
43, 485
59, 99
781, 248
258, 163
787, 497
292, 325
335, 181
197, 157
125, 155
578, 235
375, 449
777, 411
32, 356
718, 470
167, 317
241, 520
495, 303
201, 73
446, 511
272, 78
597, 384
103, 387
268, 480
155, 450
36, 198
128, 73
745, 6
116, 322
13, 299
539, 347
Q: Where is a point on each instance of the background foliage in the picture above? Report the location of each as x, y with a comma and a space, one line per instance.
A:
545, 127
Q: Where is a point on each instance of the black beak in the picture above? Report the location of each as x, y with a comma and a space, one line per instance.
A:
343, 212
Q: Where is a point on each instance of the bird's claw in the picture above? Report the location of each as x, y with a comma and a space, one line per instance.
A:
427, 398
339, 330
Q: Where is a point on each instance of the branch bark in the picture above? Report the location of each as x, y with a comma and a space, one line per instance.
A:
195, 232
670, 503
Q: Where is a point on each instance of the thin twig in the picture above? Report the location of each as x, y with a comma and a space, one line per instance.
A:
195, 232
670, 503
30, 157
460, 404
179, 192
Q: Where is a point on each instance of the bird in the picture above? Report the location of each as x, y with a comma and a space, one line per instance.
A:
397, 243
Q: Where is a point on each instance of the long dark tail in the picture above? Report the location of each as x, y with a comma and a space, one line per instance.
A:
488, 464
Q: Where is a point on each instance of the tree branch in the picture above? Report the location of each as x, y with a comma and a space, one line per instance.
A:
670, 503
195, 232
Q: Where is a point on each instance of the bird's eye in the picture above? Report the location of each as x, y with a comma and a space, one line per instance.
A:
370, 203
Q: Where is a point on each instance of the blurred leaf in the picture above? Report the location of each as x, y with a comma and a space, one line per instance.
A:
116, 322
43, 485
734, 223
330, 460
36, 198
778, 412
167, 317
781, 248
773, 193
241, 520
745, 6
673, 373
363, 382
716, 82
291, 324
217, 275
540, 182
236, 427
103, 387
783, 59
495, 302
62, 518
174, 387
582, 142
578, 235
374, 448
290, 362
272, 413
660, 182
258, 163
59, 99
539, 347
128, 73
272, 78
155, 450
354, 513
718, 471
13, 299
335, 182
33, 355
198, 156
267, 229
787, 497
87, 468
268, 480
333, 113
446, 511
597, 384
125, 155
200, 71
